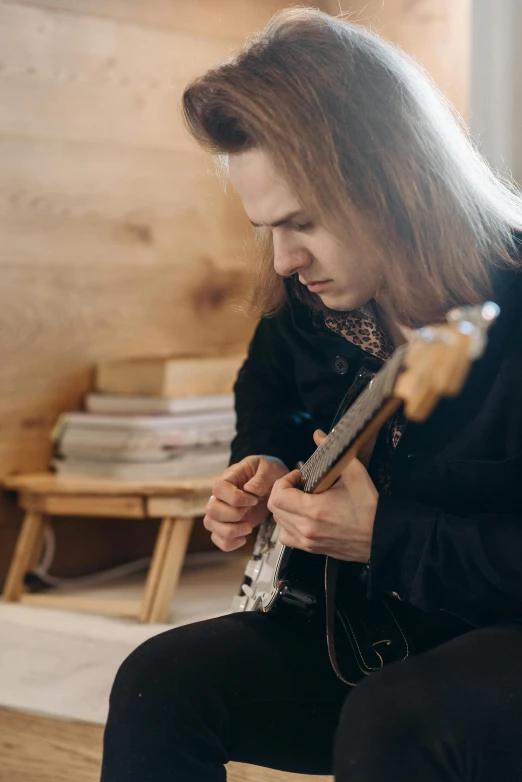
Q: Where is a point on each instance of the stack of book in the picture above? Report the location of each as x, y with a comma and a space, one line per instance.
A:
128, 432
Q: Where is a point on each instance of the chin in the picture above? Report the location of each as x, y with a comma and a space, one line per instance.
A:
343, 303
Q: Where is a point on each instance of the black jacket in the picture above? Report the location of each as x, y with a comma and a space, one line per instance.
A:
449, 537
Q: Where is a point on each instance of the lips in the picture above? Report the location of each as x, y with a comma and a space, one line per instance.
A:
316, 285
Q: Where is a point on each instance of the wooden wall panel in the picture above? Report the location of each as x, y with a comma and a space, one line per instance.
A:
69, 204
110, 218
115, 237
73, 77
101, 315
223, 19
114, 231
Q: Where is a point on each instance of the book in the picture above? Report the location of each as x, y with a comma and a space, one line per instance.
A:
187, 463
156, 423
160, 429
169, 377
104, 453
132, 404
77, 439
128, 438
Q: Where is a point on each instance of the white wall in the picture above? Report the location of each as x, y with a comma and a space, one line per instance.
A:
496, 82
517, 107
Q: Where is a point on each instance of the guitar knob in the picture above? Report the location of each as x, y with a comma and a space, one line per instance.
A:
247, 590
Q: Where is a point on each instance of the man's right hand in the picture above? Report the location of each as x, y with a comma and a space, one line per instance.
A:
239, 500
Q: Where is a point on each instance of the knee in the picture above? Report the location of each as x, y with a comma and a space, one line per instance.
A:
163, 667
390, 726
397, 703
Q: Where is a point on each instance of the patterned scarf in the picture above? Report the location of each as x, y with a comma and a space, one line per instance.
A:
362, 328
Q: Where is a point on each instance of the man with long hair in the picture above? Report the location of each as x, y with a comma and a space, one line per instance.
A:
376, 215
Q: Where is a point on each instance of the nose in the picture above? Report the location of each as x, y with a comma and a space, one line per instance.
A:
289, 256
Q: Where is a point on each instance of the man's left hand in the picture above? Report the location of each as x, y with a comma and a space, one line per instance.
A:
337, 522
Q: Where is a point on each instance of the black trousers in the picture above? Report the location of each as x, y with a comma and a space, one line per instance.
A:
248, 687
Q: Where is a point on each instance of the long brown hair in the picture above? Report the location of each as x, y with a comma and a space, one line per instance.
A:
360, 131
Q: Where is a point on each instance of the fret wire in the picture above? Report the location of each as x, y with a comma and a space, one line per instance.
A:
353, 421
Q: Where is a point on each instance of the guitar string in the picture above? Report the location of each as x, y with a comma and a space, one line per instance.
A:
340, 438
348, 428
353, 422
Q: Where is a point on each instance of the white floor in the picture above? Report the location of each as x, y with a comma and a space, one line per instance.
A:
63, 663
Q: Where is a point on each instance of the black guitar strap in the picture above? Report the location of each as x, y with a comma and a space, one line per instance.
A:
369, 367
331, 575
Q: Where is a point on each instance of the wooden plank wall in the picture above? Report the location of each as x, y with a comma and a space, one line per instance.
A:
115, 237
113, 234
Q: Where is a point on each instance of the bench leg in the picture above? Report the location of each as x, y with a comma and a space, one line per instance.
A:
39, 545
27, 549
165, 569
155, 569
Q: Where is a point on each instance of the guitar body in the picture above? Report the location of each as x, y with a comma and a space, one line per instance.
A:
278, 577
362, 635
290, 582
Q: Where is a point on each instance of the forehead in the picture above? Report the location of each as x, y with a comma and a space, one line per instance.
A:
264, 193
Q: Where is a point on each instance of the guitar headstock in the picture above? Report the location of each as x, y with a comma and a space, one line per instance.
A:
439, 358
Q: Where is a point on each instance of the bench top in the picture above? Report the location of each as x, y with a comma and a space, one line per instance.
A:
51, 483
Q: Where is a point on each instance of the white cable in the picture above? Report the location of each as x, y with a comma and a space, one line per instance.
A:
49, 550
104, 576
95, 578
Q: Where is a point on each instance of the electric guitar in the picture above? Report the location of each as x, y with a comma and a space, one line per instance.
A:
364, 634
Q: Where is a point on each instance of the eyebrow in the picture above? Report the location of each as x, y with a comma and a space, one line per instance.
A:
281, 221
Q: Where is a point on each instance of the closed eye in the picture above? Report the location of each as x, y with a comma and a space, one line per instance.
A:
304, 226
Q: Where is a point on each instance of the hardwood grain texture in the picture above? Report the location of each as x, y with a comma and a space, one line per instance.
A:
40, 749
95, 79
189, 490
85, 545
56, 323
47, 494
116, 240
119, 507
156, 566
115, 233
161, 591
227, 19
23, 554
34, 748
69, 204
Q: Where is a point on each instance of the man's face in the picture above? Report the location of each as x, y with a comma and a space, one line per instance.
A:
339, 274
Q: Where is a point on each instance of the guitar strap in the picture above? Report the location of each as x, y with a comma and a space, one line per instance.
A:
331, 576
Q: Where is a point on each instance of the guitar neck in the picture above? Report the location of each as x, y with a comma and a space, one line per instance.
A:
360, 423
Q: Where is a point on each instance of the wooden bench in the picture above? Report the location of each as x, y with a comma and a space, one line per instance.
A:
177, 503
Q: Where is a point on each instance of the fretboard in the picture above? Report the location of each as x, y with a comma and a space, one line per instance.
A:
353, 422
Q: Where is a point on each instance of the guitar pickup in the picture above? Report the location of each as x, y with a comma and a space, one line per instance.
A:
253, 568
